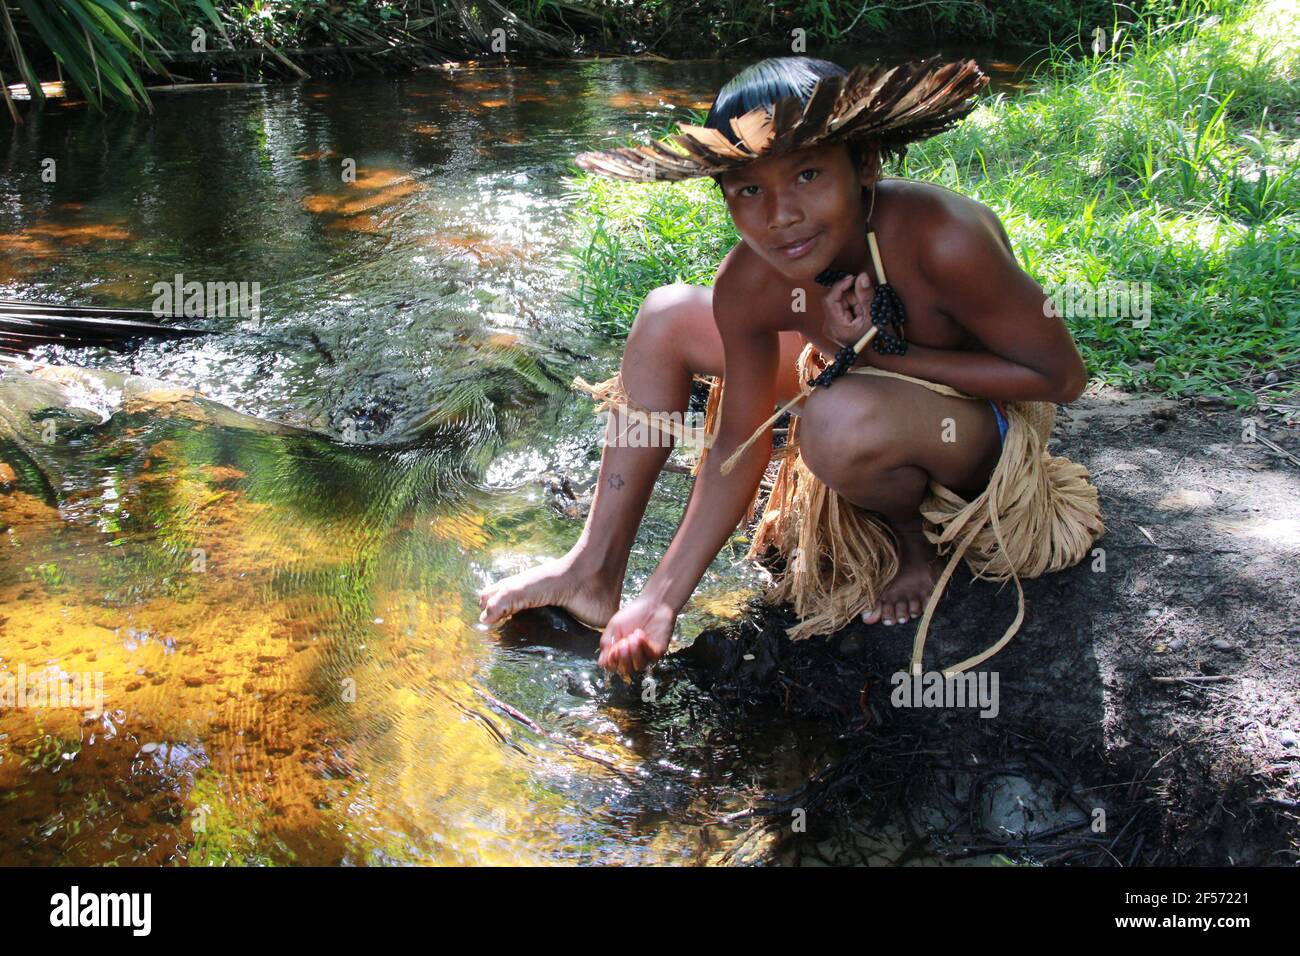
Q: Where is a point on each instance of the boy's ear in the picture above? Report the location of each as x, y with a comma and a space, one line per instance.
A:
869, 168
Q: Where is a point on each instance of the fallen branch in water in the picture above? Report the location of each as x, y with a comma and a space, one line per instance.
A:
516, 714
25, 325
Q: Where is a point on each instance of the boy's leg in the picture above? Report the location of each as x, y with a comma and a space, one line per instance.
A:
672, 338
878, 442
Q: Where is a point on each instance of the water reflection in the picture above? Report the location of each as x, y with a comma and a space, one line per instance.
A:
291, 661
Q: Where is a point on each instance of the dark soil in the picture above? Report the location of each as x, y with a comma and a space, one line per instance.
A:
1159, 685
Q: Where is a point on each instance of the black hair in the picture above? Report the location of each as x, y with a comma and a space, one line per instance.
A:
766, 82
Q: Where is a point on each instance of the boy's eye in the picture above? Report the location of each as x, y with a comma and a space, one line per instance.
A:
809, 170
741, 190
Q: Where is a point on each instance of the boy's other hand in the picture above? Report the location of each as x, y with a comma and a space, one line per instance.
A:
636, 636
847, 309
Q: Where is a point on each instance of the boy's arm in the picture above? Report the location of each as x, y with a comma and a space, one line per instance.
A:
717, 501
638, 634
976, 280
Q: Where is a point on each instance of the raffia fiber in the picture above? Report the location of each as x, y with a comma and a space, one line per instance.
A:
838, 557
1038, 513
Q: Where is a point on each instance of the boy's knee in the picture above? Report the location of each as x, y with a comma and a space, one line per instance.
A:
667, 300
655, 318
843, 430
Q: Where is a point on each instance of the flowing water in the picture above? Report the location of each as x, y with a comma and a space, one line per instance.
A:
276, 598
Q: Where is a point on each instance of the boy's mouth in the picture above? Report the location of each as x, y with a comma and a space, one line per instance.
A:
799, 247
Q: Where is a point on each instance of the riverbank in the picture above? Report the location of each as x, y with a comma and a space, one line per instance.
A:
1144, 714
111, 54
1146, 711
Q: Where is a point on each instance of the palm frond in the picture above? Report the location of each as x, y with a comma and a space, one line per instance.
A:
26, 325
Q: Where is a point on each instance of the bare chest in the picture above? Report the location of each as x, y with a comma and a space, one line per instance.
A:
926, 324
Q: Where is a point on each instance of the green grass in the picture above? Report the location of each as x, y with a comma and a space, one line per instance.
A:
1171, 159
641, 235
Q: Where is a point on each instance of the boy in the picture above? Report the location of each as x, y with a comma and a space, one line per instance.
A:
914, 435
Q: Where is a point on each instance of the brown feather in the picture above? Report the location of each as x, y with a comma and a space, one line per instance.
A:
786, 117
892, 105
820, 108
753, 129
713, 140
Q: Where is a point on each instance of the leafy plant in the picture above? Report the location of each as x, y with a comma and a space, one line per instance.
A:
101, 44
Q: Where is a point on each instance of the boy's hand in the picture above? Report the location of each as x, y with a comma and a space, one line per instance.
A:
636, 636
848, 309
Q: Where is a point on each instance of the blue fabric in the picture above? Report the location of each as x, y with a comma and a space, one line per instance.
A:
1002, 421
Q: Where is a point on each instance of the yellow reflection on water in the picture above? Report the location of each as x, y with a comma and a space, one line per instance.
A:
259, 707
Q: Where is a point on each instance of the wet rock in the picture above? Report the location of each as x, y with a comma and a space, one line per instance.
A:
549, 627
1014, 806
561, 496
579, 685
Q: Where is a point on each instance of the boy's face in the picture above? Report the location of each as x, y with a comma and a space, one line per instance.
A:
812, 194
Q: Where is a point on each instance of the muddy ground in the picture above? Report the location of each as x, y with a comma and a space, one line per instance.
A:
1148, 707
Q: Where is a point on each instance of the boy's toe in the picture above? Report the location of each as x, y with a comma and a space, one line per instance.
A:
496, 609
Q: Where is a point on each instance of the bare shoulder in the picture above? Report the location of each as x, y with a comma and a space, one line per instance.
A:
943, 220
948, 228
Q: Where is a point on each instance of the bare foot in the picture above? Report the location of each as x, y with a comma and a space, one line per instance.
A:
905, 596
561, 582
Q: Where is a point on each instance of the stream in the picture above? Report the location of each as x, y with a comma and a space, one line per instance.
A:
264, 544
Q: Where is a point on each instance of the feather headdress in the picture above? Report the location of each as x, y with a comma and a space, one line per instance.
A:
892, 106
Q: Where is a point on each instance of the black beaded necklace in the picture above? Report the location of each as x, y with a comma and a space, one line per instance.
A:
886, 310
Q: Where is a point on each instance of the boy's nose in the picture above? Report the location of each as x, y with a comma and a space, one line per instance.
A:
778, 226
782, 211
